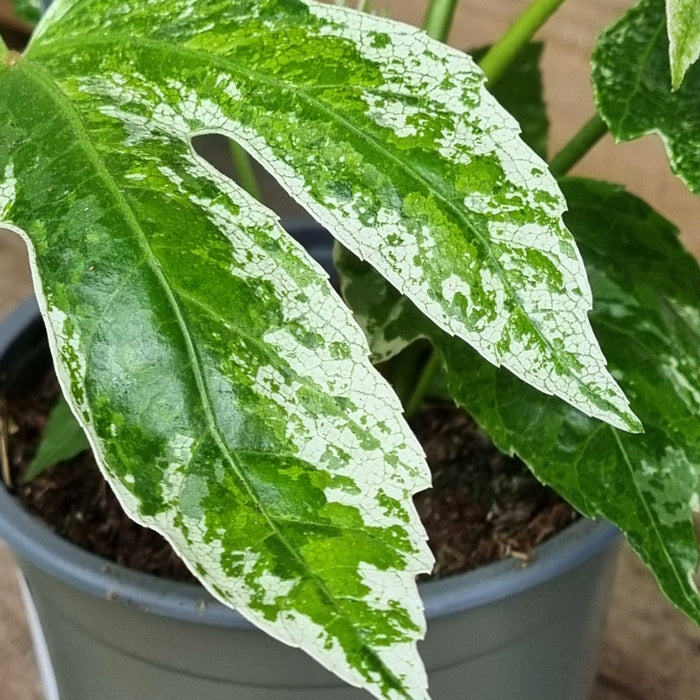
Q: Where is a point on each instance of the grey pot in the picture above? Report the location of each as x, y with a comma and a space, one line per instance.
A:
501, 632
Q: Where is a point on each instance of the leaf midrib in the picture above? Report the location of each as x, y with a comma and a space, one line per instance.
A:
460, 213
36, 74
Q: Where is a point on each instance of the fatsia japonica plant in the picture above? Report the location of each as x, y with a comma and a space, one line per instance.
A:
229, 393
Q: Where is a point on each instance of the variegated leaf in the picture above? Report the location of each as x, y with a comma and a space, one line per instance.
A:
394, 144
224, 387
647, 315
683, 20
632, 83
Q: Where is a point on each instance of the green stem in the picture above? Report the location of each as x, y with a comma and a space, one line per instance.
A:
416, 399
438, 19
405, 368
504, 51
4, 51
582, 142
246, 174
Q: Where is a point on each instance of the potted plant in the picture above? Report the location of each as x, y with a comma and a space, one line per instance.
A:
224, 387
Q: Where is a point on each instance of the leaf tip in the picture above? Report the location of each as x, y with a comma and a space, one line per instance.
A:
677, 75
621, 415
632, 424
625, 420
618, 413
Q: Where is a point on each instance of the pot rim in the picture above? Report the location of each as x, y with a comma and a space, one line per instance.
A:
33, 542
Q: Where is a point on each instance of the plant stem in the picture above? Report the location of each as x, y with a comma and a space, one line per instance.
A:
415, 401
246, 174
4, 51
438, 19
502, 53
405, 371
582, 142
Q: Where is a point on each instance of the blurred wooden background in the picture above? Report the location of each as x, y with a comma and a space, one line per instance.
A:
651, 651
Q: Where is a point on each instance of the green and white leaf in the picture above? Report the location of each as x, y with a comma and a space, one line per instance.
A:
396, 146
63, 439
28, 10
224, 387
647, 316
683, 20
632, 84
520, 91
